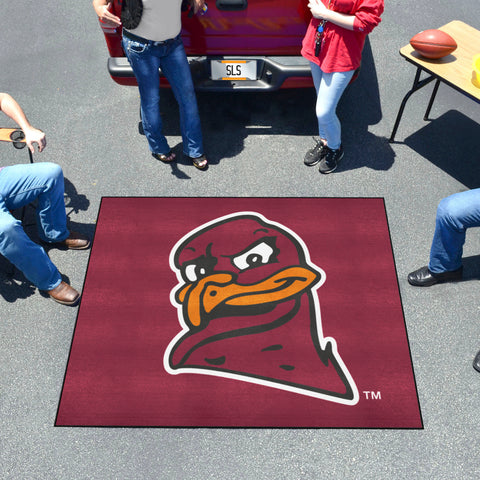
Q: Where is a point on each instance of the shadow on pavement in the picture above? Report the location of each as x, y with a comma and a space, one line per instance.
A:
451, 143
471, 268
229, 118
359, 108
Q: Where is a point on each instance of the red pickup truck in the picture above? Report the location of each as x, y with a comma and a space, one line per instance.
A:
249, 45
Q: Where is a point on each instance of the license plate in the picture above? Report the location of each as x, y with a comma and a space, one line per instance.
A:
234, 70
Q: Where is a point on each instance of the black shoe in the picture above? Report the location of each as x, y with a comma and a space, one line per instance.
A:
476, 362
423, 277
315, 154
330, 160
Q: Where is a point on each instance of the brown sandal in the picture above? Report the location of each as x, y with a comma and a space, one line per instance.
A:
164, 157
200, 162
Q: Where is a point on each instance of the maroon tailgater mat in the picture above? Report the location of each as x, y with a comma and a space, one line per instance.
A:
241, 312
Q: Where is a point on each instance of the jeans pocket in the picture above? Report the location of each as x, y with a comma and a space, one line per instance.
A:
136, 47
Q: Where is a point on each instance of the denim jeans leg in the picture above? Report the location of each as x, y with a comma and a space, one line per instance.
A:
145, 62
51, 216
15, 245
329, 87
177, 71
22, 184
455, 214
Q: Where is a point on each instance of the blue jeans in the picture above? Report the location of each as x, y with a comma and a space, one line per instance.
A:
145, 59
329, 87
19, 186
455, 214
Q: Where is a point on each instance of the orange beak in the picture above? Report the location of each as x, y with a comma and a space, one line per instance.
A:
202, 297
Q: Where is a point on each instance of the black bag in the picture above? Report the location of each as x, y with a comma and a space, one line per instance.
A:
131, 13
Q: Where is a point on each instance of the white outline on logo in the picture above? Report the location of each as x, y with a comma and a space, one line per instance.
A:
322, 340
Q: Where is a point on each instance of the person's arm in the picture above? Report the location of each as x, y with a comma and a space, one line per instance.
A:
13, 110
197, 5
320, 11
365, 19
102, 10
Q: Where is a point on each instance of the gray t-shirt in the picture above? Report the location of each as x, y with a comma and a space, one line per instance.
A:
160, 20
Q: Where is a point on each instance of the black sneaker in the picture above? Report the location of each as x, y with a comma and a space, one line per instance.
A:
330, 160
315, 154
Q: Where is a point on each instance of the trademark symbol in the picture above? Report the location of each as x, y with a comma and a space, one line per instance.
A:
372, 395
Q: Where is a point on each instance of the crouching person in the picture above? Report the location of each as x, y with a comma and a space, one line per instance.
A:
21, 185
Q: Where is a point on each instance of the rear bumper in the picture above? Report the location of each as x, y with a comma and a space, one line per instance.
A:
273, 73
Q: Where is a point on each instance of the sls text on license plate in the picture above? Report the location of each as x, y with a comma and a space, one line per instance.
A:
234, 70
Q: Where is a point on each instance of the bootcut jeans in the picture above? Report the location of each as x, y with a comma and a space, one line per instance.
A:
146, 57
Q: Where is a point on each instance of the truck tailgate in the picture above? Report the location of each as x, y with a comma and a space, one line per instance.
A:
247, 27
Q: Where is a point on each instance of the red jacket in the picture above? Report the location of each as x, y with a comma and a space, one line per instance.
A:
341, 48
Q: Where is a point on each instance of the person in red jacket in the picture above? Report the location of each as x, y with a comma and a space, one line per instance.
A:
333, 44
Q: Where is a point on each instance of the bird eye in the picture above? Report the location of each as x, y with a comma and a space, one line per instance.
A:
198, 269
190, 272
262, 253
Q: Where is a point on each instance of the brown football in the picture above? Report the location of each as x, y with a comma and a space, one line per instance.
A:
433, 43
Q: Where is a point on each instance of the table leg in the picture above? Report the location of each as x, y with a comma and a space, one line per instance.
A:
417, 85
432, 98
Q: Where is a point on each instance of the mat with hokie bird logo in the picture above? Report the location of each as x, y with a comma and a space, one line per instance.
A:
241, 312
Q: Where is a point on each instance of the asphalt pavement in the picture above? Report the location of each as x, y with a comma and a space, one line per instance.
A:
53, 61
